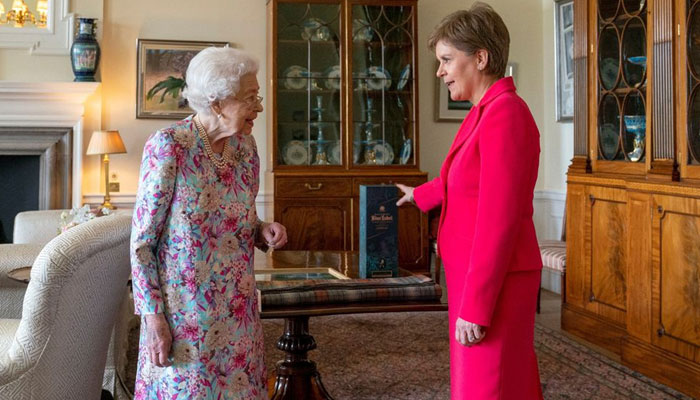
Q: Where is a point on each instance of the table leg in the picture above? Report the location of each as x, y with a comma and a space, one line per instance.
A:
297, 376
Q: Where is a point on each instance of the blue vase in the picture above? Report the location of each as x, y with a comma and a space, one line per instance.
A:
85, 52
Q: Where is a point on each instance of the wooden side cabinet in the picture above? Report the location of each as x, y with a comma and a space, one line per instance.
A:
633, 197
320, 224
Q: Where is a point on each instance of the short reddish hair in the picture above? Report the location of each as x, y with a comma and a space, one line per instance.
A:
480, 27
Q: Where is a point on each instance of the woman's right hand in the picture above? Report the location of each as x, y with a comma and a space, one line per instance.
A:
407, 196
158, 339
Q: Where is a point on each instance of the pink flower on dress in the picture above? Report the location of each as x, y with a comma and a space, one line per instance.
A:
227, 177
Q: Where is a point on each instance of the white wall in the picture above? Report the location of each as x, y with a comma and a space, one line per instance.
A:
525, 52
557, 142
243, 23
215, 20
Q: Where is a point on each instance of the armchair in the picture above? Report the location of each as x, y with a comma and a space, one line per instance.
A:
58, 349
32, 230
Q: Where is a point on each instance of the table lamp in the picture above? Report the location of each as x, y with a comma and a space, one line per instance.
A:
105, 143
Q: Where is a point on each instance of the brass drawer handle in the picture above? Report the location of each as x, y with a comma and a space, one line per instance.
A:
318, 186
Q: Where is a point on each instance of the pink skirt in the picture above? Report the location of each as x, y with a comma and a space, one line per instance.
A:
504, 365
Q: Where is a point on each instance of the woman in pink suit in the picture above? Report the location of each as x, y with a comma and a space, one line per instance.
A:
486, 236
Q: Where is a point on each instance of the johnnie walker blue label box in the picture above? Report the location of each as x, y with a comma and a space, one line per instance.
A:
379, 220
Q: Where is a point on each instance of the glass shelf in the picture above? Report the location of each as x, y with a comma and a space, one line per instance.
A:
310, 126
622, 79
383, 86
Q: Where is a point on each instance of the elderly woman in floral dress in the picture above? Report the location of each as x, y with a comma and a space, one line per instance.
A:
192, 243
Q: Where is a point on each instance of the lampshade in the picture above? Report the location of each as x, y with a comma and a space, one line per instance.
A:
42, 6
18, 5
105, 142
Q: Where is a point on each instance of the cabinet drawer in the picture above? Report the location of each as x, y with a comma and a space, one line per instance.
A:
312, 187
385, 180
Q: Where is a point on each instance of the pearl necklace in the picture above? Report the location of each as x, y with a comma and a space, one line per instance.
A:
220, 161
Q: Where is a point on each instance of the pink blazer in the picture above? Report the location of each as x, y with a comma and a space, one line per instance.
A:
485, 189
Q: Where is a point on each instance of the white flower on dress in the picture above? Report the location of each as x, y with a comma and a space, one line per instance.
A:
202, 272
240, 382
247, 285
184, 352
217, 336
173, 301
229, 244
238, 209
184, 138
144, 255
169, 171
208, 199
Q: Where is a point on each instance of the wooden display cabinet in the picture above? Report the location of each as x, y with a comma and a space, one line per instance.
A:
633, 199
343, 88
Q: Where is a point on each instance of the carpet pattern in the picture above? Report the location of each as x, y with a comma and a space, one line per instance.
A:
404, 356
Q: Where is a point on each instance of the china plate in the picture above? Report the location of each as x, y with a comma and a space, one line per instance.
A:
361, 31
295, 153
315, 30
383, 153
378, 78
403, 77
295, 77
333, 77
638, 60
406, 150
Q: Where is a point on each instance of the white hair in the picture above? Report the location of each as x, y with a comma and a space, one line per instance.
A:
215, 74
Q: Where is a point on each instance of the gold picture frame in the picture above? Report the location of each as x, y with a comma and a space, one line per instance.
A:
160, 75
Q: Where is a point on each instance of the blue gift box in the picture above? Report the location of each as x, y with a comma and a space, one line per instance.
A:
379, 221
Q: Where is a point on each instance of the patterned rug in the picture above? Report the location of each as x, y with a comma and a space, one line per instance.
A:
401, 356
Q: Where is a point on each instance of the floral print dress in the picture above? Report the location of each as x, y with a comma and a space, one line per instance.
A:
192, 247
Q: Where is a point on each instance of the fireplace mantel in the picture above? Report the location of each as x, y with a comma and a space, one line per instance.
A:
54, 105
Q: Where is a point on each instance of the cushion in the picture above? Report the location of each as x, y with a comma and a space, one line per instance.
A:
553, 255
287, 293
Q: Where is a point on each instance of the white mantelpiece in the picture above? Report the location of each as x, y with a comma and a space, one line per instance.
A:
53, 105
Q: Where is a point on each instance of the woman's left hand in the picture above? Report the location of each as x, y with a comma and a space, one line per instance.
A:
468, 333
275, 234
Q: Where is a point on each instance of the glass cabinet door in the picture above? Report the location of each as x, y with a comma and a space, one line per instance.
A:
622, 81
383, 66
309, 84
693, 90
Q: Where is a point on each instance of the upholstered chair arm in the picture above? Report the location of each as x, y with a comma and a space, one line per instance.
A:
13, 256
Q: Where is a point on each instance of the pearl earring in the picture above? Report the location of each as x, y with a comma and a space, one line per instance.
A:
219, 116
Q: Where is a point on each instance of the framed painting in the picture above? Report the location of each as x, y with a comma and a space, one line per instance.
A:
160, 76
451, 110
564, 60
